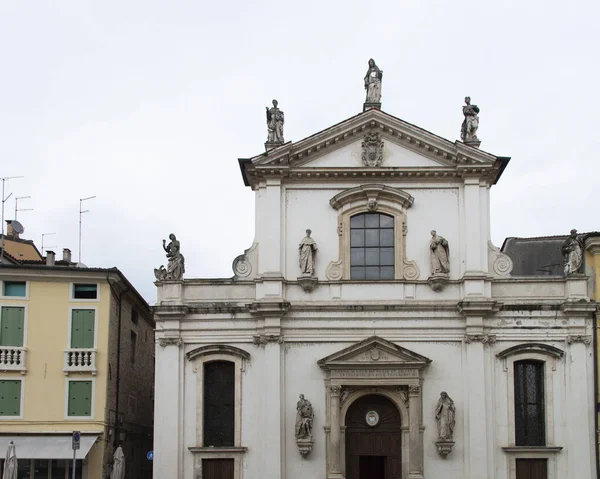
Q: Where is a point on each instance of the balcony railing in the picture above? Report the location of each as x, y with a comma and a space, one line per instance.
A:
80, 361
12, 358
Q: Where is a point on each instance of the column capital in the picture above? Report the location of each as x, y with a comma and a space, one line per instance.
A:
335, 390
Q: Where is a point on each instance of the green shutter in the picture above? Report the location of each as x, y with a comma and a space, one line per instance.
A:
11, 326
82, 328
10, 398
80, 398
15, 288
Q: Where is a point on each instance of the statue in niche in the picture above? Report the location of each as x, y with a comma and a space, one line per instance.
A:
468, 131
275, 122
308, 252
304, 419
445, 413
176, 262
572, 250
440, 253
373, 83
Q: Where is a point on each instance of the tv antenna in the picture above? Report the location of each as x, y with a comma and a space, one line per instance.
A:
17, 205
81, 212
46, 234
4, 199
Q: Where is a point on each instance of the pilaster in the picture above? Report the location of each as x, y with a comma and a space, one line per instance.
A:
414, 432
334, 455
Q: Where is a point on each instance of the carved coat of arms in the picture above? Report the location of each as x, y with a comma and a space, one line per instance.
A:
372, 150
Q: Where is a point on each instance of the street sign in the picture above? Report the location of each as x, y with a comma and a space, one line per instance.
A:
76, 440
150, 455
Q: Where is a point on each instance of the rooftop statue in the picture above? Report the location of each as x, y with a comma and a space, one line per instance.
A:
275, 122
572, 250
373, 83
176, 262
468, 131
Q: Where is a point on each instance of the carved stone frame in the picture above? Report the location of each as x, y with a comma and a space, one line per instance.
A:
368, 199
375, 366
198, 357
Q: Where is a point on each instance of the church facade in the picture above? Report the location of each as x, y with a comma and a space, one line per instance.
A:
389, 341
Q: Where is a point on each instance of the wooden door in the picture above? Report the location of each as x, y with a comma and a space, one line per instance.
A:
217, 468
373, 451
532, 469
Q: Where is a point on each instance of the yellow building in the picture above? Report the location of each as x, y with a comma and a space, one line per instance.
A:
76, 354
592, 268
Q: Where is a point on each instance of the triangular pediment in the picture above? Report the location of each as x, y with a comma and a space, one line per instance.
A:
374, 351
408, 151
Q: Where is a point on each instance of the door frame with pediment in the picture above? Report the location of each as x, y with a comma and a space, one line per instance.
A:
375, 366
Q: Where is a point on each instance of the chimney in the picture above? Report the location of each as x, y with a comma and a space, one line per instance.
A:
10, 232
67, 255
50, 258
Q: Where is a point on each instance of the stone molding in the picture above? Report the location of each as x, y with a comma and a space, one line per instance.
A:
264, 339
585, 339
480, 338
500, 264
269, 308
164, 342
364, 193
532, 348
245, 265
478, 307
212, 349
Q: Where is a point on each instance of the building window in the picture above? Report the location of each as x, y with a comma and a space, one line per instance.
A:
530, 423
134, 316
79, 403
531, 468
17, 289
133, 347
10, 397
83, 325
85, 291
12, 325
219, 400
371, 247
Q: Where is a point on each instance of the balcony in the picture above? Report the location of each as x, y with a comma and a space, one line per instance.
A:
80, 361
12, 358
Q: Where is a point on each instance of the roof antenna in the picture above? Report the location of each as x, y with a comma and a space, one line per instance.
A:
81, 200
17, 205
46, 234
4, 180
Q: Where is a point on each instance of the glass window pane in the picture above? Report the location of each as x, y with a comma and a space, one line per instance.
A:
387, 272
357, 257
372, 272
357, 237
372, 220
357, 272
14, 288
387, 256
85, 291
372, 237
357, 221
372, 256
386, 237
386, 221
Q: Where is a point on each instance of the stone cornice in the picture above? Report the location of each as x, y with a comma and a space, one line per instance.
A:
169, 313
525, 348
592, 244
268, 308
371, 192
478, 307
579, 308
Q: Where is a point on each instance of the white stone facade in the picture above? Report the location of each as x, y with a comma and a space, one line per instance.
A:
396, 338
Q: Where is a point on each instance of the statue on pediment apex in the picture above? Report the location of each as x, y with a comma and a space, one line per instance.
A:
373, 83
275, 120
176, 262
468, 131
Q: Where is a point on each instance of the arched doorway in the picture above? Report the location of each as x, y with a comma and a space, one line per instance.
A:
373, 439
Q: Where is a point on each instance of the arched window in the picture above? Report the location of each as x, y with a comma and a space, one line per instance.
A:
372, 246
219, 403
530, 422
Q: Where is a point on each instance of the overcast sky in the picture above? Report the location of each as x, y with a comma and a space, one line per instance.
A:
148, 105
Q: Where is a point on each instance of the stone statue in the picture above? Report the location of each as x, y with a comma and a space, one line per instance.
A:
445, 413
439, 254
308, 252
468, 131
373, 83
572, 250
275, 122
176, 264
304, 419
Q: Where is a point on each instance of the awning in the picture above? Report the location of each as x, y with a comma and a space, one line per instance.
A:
47, 446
